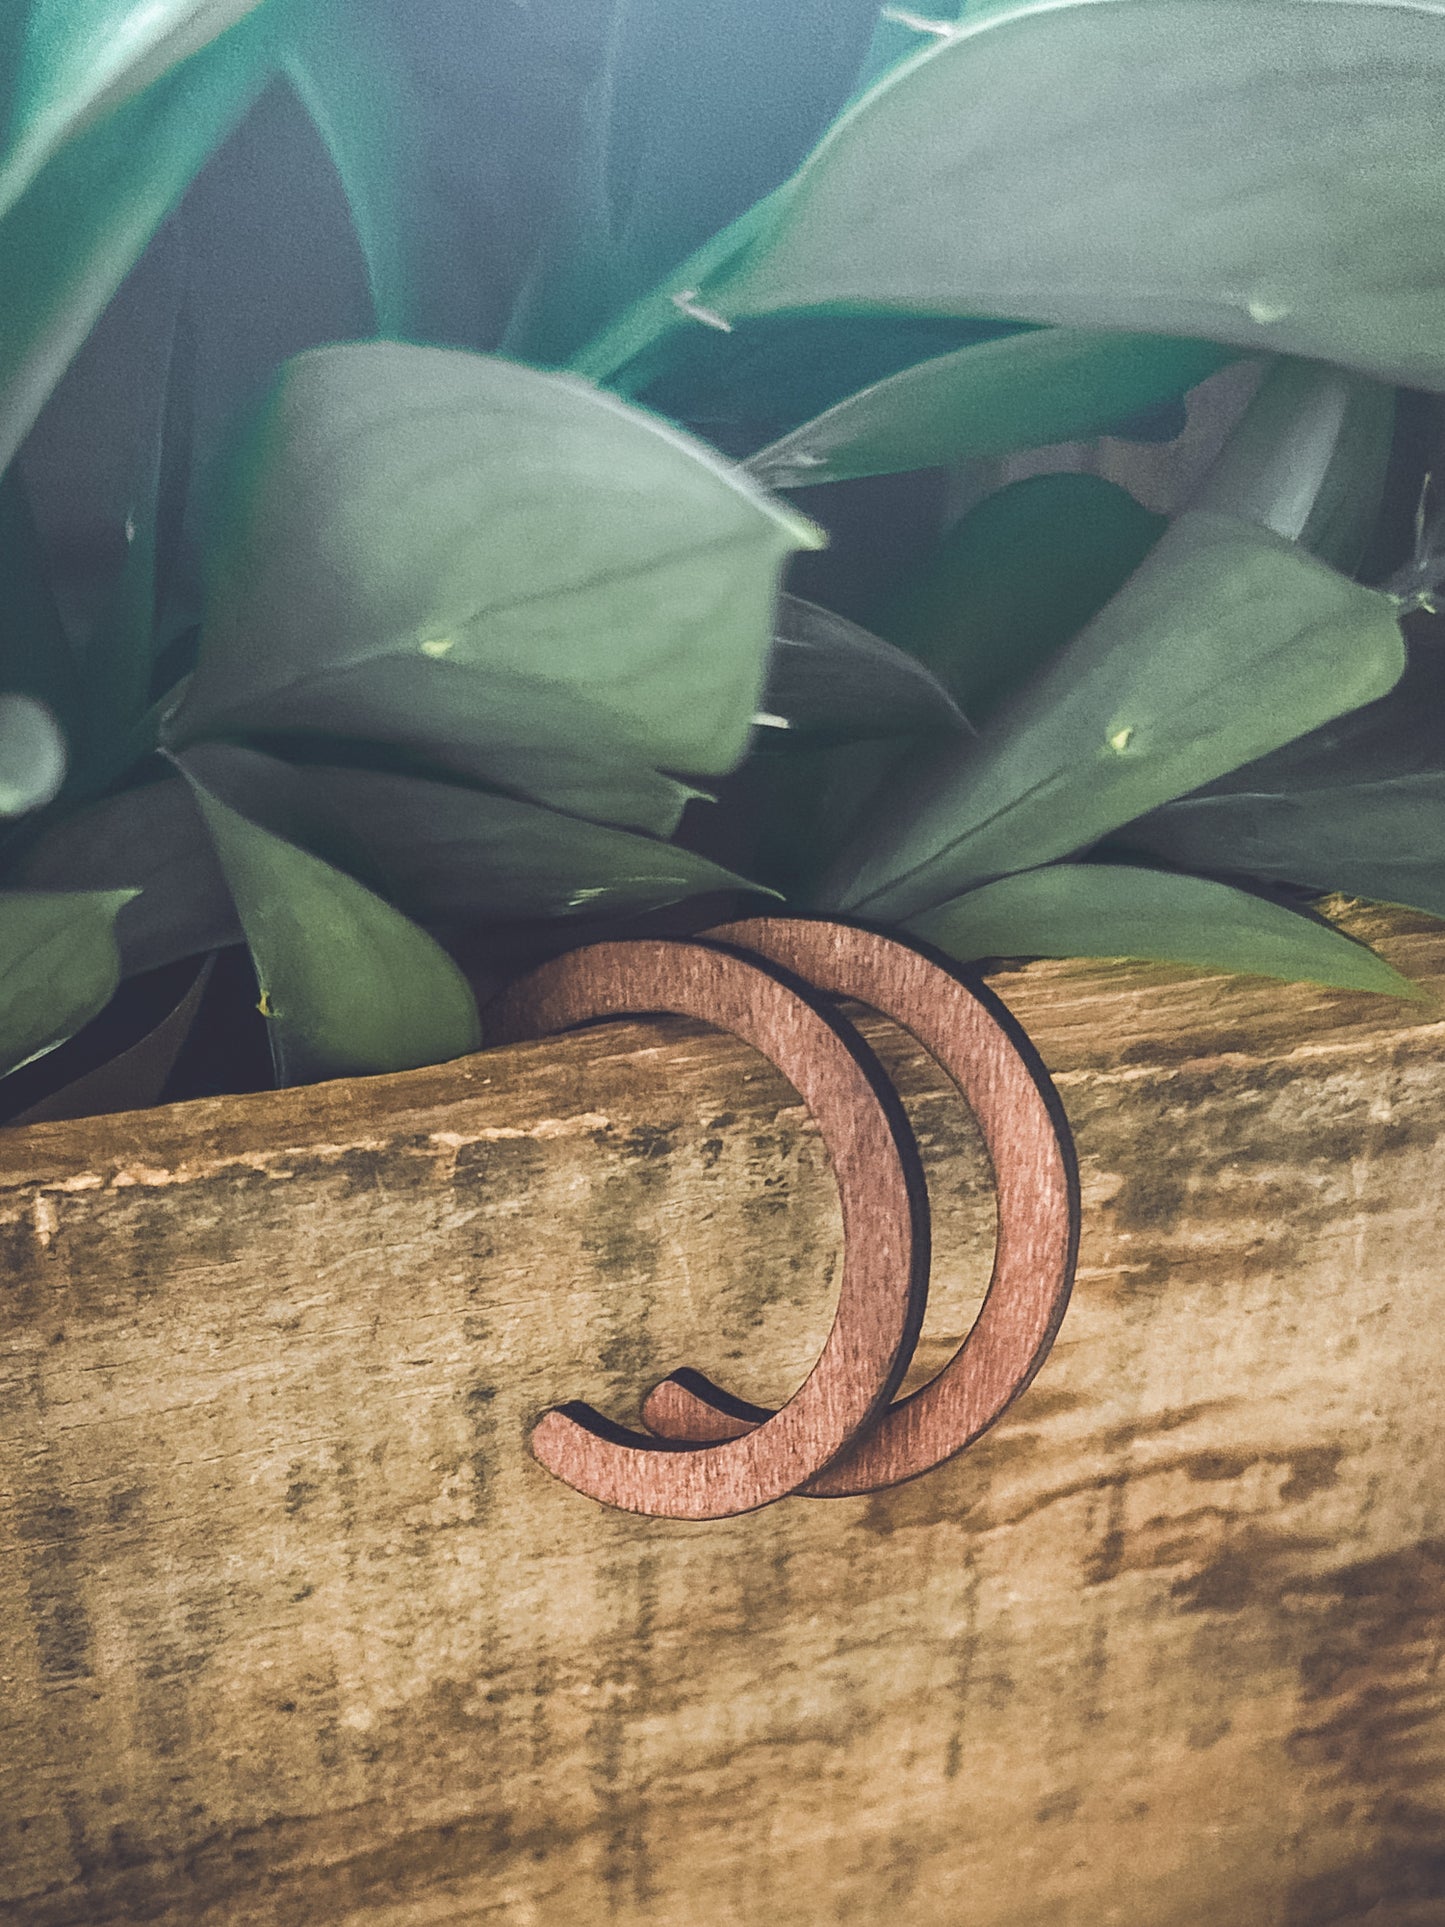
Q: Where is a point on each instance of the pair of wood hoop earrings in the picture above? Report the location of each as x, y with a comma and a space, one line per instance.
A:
708, 1455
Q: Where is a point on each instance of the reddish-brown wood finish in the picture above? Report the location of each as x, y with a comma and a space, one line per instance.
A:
884, 1210
986, 1054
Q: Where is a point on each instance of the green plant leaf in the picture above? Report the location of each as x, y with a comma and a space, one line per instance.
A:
440, 851
706, 121
1262, 172
349, 985
1012, 581
1381, 840
72, 237
687, 126
1418, 580
1023, 390
1109, 910
780, 370
148, 847
438, 719
831, 680
901, 34
117, 727
32, 755
135, 1078
1357, 806
1227, 642
70, 62
1308, 459
59, 967
353, 81
608, 582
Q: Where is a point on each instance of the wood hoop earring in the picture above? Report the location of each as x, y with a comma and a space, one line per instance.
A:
885, 1224
986, 1053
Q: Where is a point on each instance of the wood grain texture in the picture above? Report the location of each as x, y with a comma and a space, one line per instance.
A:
976, 1044
294, 1632
884, 1210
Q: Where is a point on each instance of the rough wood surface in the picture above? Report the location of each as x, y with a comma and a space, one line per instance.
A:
293, 1630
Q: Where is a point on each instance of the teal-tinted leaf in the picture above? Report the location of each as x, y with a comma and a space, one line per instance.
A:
417, 505
354, 82
149, 848
349, 985
1024, 390
1418, 580
830, 679
1356, 806
69, 62
1104, 910
68, 243
441, 851
59, 967
1263, 172
439, 719
117, 725
780, 370
1383, 840
1017, 577
1227, 642
1307, 459
32, 755
901, 34
1401, 734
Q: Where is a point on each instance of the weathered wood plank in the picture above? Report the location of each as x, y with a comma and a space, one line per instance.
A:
293, 1631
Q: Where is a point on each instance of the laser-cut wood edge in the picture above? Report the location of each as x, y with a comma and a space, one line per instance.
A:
884, 1207
986, 1054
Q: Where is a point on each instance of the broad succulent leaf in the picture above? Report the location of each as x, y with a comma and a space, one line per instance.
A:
831, 680
1226, 643
348, 984
32, 755
1109, 910
607, 583
1262, 172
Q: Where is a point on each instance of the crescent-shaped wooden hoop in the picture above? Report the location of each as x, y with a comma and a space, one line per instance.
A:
986, 1053
885, 1224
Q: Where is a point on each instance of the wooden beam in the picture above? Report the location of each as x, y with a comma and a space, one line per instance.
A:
292, 1628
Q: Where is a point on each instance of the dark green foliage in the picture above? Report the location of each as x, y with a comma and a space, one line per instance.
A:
484, 644
1016, 578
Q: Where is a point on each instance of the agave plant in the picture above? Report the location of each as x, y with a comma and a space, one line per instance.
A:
498, 639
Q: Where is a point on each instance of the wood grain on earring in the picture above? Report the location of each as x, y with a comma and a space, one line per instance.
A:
987, 1055
884, 1211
